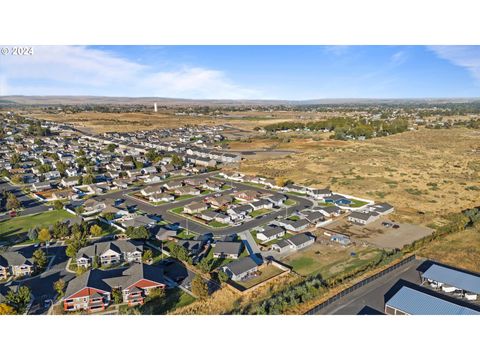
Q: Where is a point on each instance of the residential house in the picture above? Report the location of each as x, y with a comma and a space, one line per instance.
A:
277, 199
150, 190
41, 186
137, 221
295, 226
195, 207
363, 218
164, 197
271, 233
15, 264
261, 204
241, 269
382, 208
227, 249
296, 242
92, 291
337, 200
52, 175
71, 181
92, 206
110, 253
319, 193
187, 190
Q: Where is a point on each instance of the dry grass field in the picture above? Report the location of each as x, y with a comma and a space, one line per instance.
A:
460, 249
424, 173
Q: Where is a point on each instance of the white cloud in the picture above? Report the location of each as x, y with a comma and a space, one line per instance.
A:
337, 50
79, 70
467, 57
399, 58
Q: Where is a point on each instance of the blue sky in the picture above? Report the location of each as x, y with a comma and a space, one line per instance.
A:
245, 72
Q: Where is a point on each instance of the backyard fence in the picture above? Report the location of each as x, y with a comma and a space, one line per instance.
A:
359, 284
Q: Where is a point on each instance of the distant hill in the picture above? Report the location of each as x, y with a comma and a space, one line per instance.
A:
106, 100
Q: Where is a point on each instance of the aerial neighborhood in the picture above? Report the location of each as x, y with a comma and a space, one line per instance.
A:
116, 222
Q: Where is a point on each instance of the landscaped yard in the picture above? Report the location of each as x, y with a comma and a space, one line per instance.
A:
330, 260
185, 197
217, 224
290, 202
222, 262
260, 212
357, 203
265, 273
177, 210
13, 229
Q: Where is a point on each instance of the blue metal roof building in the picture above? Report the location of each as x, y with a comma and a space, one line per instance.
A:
408, 301
452, 277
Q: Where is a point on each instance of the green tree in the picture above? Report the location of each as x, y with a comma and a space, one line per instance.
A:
20, 299
96, 230
117, 296
4, 173
177, 160
59, 287
15, 159
72, 249
57, 205
61, 167
17, 179
155, 293
39, 259
137, 232
111, 147
147, 256
199, 287
222, 276
44, 235
87, 179
12, 202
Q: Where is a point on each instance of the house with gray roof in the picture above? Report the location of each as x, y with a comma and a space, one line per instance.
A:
240, 269
110, 253
270, 233
363, 218
15, 264
227, 249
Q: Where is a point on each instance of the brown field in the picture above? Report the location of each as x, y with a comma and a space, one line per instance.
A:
461, 249
226, 300
418, 171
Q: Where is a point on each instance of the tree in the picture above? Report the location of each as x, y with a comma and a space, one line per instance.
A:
117, 296
17, 179
111, 147
109, 216
156, 293
205, 265
87, 179
12, 202
96, 230
20, 299
199, 287
33, 234
44, 235
61, 167
147, 256
39, 259
72, 249
59, 287
222, 276
137, 232
177, 160
15, 159
79, 209
6, 309
4, 173
57, 205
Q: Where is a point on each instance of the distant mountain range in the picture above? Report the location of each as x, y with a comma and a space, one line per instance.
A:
106, 100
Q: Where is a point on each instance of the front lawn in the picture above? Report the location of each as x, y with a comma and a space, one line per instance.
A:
178, 210
266, 273
174, 298
18, 227
185, 197
216, 224
257, 213
290, 202
357, 203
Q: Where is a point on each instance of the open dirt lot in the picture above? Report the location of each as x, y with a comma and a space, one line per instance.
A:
425, 174
377, 234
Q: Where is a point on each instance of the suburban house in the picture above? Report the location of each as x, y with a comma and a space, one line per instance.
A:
92, 206
247, 195
165, 234
319, 193
220, 201
382, 208
337, 200
151, 179
277, 199
341, 239
52, 175
163, 197
271, 233
137, 221
173, 185
294, 226
261, 204
363, 218
110, 253
187, 190
328, 211
296, 242
195, 207
41, 186
192, 246
15, 264
71, 181
240, 269
92, 291
150, 190
227, 249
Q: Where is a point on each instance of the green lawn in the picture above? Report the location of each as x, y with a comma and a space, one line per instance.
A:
357, 203
12, 229
216, 224
225, 187
294, 218
260, 212
177, 210
295, 193
290, 202
184, 197
184, 235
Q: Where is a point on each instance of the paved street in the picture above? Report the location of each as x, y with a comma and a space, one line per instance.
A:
31, 206
371, 297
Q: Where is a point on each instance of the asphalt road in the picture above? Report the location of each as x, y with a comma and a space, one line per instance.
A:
31, 206
371, 296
